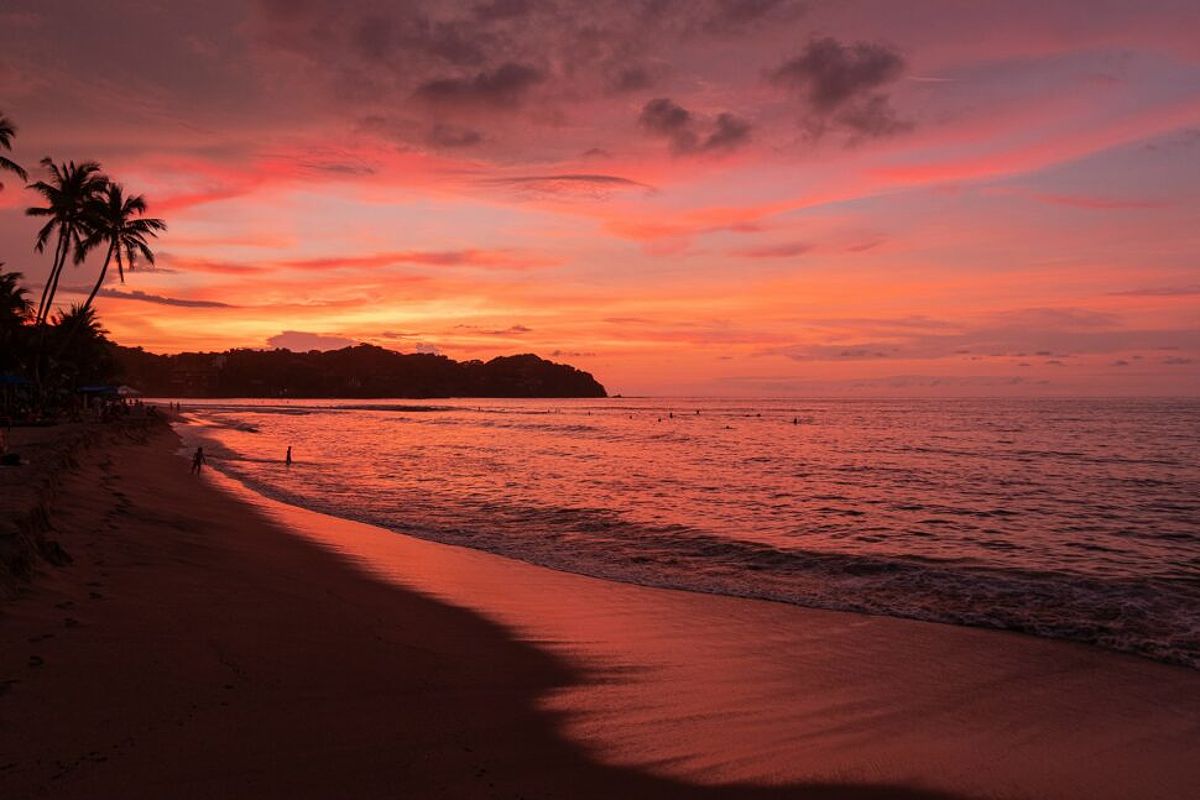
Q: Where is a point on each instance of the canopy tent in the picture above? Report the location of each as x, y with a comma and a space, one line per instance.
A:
109, 391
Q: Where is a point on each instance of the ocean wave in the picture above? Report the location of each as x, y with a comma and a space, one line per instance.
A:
1153, 618
1087, 531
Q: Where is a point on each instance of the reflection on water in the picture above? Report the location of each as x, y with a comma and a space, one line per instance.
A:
724, 690
1069, 518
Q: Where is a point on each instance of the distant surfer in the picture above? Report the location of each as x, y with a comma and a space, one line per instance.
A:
197, 460
288, 458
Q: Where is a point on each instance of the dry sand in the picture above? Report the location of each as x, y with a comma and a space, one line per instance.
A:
207, 643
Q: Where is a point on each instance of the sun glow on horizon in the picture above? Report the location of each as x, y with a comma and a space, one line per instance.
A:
797, 199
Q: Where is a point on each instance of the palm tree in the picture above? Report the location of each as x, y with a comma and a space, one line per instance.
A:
90, 357
80, 317
69, 193
116, 220
15, 311
15, 308
7, 131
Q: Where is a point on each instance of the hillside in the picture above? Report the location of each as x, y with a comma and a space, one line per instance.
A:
363, 371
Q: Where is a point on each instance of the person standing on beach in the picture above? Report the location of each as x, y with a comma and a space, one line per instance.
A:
288, 458
197, 460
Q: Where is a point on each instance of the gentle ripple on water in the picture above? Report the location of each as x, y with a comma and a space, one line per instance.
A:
1077, 519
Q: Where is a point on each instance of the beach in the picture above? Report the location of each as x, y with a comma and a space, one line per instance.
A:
206, 642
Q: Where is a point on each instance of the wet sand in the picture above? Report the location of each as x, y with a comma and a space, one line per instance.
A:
208, 643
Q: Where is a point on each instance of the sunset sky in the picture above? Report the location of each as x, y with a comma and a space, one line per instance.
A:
723, 197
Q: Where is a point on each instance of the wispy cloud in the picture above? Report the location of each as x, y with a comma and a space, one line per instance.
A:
146, 297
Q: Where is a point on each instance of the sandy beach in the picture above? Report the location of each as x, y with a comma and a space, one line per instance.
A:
205, 642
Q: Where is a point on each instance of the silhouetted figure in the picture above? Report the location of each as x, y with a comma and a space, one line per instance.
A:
197, 460
288, 459
795, 420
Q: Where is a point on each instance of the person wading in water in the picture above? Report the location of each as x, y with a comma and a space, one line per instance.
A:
197, 460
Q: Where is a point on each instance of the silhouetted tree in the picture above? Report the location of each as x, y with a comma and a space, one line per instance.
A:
90, 357
15, 307
69, 194
15, 312
7, 131
116, 221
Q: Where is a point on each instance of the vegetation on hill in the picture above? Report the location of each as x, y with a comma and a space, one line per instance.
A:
361, 371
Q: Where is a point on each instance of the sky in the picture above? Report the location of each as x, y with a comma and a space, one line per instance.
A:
717, 197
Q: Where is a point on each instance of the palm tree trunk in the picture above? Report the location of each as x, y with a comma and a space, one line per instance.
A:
58, 249
62, 262
100, 280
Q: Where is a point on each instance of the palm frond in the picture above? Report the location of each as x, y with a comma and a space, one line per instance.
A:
12, 166
7, 131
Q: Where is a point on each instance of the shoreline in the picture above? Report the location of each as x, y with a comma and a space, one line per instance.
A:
313, 656
1133, 614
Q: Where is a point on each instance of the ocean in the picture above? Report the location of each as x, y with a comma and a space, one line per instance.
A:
1068, 518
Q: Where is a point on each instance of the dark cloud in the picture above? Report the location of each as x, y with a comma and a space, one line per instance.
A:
471, 59
730, 133
873, 118
504, 9
630, 79
840, 85
666, 119
145, 297
572, 354
504, 87
303, 341
591, 185
453, 136
831, 75
380, 37
1186, 139
735, 16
